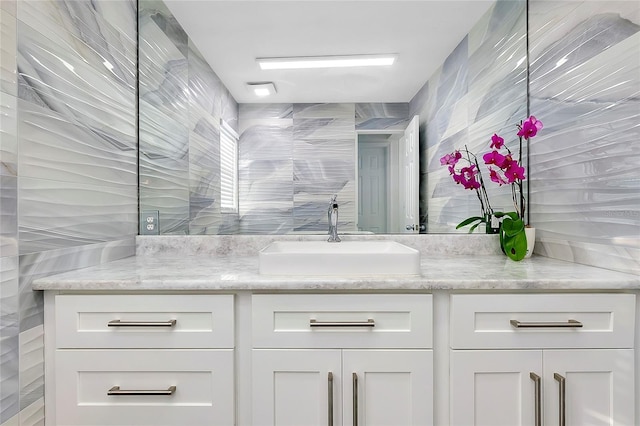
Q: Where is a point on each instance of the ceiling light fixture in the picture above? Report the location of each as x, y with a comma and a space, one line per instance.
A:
262, 89
301, 62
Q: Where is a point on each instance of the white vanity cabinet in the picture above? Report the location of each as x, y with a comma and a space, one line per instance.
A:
533, 359
142, 360
342, 359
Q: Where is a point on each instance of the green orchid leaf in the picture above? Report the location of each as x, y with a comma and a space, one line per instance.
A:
469, 220
473, 228
515, 227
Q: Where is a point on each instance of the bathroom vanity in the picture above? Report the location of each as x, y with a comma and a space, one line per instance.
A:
207, 340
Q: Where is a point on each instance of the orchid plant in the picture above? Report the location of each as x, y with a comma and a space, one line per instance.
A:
503, 170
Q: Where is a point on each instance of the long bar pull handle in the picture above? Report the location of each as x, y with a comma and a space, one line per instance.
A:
368, 323
537, 400
561, 398
354, 378
330, 397
119, 323
534, 324
117, 391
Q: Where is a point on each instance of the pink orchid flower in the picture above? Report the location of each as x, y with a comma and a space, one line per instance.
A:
530, 127
467, 177
496, 141
495, 177
514, 171
451, 159
494, 157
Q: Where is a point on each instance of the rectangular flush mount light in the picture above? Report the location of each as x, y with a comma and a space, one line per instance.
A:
300, 62
262, 89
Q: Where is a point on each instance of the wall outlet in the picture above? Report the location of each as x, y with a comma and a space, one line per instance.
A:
150, 222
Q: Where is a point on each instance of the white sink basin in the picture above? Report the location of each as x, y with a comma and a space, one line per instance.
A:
344, 258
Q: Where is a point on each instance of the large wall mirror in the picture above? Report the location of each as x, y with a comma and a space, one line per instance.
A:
217, 158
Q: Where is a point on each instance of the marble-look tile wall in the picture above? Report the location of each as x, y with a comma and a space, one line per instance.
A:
294, 157
481, 89
68, 167
182, 101
585, 86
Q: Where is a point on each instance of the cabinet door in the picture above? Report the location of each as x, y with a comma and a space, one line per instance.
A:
598, 387
494, 388
292, 387
391, 387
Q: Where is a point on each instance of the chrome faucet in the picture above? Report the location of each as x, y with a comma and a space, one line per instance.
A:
332, 214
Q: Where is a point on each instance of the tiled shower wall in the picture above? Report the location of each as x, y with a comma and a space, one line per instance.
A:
182, 101
68, 166
481, 89
585, 86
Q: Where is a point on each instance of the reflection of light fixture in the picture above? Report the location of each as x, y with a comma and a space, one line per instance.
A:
298, 62
262, 89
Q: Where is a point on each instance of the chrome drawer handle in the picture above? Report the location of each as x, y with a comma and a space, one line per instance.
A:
119, 323
569, 324
117, 391
369, 323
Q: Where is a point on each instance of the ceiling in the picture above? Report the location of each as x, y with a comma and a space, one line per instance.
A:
232, 34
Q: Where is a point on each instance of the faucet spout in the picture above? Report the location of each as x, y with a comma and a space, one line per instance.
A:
332, 214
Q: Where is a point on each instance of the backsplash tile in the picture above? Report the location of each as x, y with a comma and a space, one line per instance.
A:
585, 87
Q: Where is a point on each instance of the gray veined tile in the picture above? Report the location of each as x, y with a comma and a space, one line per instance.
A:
271, 139
382, 124
8, 216
264, 111
8, 296
31, 366
163, 69
205, 88
365, 111
53, 148
160, 14
344, 111
8, 135
230, 110
39, 264
9, 377
8, 64
122, 15
324, 128
33, 414
84, 214
75, 81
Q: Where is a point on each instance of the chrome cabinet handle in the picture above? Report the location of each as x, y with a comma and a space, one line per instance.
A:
119, 323
354, 380
534, 324
368, 323
330, 396
537, 400
561, 398
117, 391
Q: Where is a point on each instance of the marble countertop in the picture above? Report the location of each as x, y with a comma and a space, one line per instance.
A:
236, 273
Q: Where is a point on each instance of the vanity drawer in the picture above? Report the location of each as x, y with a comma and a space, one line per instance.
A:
342, 321
203, 394
145, 321
542, 321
